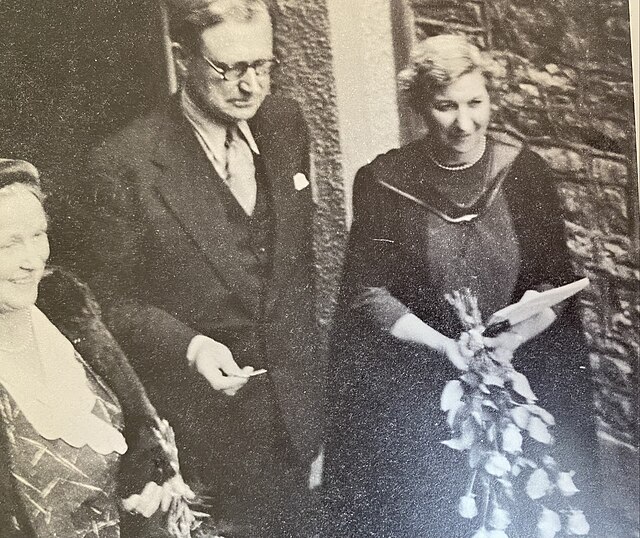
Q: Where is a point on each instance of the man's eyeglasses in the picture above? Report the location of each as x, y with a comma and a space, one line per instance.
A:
238, 70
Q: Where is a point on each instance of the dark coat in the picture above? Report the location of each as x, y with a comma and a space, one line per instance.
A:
165, 267
386, 472
70, 306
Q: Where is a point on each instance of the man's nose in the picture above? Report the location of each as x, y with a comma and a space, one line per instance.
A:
249, 82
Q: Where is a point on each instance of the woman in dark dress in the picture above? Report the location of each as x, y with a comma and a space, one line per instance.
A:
457, 209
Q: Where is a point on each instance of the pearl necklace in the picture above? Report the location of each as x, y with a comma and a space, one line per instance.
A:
25, 344
459, 167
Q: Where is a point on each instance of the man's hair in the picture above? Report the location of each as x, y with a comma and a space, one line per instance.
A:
439, 61
188, 18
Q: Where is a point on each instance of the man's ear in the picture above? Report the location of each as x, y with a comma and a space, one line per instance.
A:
182, 58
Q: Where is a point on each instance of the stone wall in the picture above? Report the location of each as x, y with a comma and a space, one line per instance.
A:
566, 88
302, 40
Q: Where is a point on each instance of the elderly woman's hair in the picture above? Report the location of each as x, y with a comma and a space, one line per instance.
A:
188, 18
439, 61
17, 175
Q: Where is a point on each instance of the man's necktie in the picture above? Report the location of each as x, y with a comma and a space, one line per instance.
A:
241, 171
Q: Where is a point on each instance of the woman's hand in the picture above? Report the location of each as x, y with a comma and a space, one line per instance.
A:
522, 332
456, 353
410, 328
154, 497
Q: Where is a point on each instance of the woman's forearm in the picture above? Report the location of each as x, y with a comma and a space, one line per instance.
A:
410, 328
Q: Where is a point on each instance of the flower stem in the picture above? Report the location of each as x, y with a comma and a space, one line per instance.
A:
472, 482
485, 504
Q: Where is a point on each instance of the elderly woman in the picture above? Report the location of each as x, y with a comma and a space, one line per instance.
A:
456, 209
62, 415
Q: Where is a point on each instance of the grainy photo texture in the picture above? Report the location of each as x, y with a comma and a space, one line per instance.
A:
329, 269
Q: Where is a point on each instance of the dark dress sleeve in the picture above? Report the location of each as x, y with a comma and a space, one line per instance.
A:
539, 221
370, 249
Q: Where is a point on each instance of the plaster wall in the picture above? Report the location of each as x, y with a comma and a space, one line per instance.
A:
364, 70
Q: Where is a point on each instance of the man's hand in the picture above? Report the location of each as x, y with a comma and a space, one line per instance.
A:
215, 362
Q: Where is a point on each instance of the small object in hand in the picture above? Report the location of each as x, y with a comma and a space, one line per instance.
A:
531, 304
496, 328
250, 374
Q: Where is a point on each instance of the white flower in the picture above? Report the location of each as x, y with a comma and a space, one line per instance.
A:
577, 523
502, 355
466, 439
493, 379
538, 484
548, 524
498, 533
497, 464
467, 506
521, 385
539, 431
481, 533
500, 519
512, 439
565, 484
520, 416
451, 395
542, 413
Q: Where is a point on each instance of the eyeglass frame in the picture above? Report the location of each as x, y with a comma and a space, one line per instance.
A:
222, 68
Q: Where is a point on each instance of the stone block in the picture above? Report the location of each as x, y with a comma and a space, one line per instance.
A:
607, 345
591, 320
617, 372
530, 90
580, 242
451, 11
616, 409
563, 160
608, 171
611, 255
610, 204
579, 204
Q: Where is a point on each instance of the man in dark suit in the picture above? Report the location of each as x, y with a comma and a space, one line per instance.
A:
200, 251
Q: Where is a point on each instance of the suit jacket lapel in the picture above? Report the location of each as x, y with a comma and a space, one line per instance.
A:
187, 184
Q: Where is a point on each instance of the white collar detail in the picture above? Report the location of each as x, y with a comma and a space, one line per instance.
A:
63, 409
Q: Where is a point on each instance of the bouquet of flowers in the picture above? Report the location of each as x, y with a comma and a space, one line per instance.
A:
490, 410
175, 497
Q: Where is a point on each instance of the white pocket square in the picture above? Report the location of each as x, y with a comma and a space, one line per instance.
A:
300, 181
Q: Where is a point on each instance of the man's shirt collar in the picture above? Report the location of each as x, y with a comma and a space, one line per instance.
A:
212, 132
